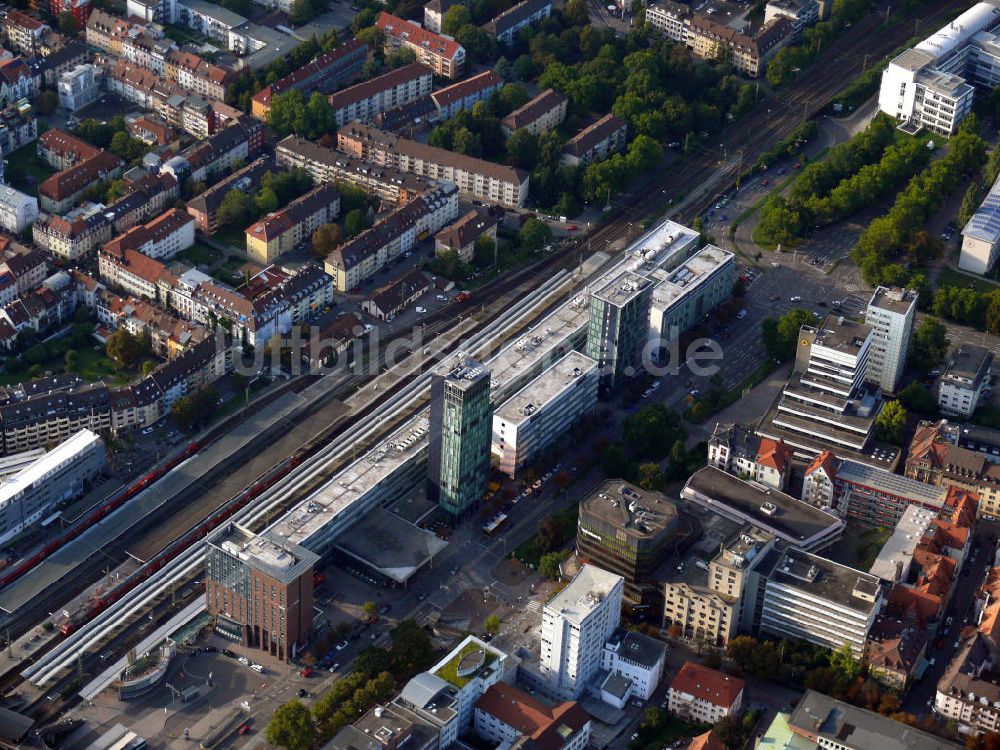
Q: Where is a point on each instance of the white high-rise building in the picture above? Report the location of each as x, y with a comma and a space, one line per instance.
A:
890, 314
576, 623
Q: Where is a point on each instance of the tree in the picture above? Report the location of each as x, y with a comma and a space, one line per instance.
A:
71, 359
644, 154
991, 316
548, 564
454, 19
303, 11
235, 210
729, 731
576, 12
929, 345
782, 336
652, 431
843, 663
123, 347
492, 624
326, 239
484, 251
292, 727
267, 201
984, 741
534, 235
890, 422
650, 476
370, 608
522, 149
46, 102
67, 23
355, 222
411, 652
917, 397
754, 658
477, 42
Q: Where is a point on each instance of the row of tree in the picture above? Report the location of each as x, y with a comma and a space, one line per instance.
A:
968, 307
885, 239
277, 189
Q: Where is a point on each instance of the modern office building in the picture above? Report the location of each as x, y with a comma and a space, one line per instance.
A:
627, 531
890, 315
740, 451
826, 401
18, 211
688, 294
820, 601
461, 424
964, 380
634, 663
61, 474
619, 323
259, 590
704, 696
931, 85
981, 235
576, 623
543, 411
79, 87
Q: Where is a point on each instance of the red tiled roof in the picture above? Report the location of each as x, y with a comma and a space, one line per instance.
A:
827, 461
146, 268
707, 741
14, 70
708, 685
63, 184
62, 143
550, 728
921, 605
398, 28
775, 454
480, 82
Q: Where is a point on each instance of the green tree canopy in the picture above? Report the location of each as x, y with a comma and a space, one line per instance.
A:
292, 727
781, 336
652, 431
890, 423
929, 344
535, 235
455, 18
355, 222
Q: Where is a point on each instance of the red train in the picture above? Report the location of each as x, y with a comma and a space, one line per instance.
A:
173, 549
108, 506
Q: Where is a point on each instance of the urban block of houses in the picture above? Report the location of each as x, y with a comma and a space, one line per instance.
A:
442, 54
279, 232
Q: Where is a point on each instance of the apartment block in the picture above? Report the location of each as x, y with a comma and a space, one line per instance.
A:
477, 178
161, 239
18, 127
18, 211
37, 418
740, 451
702, 695
277, 233
462, 236
237, 143
78, 87
328, 166
24, 33
890, 314
204, 207
545, 112
473, 667
964, 381
363, 101
634, 663
442, 54
596, 142
801, 13
323, 74
71, 239
106, 31
669, 18
63, 190
135, 273
542, 412
366, 254
62, 150
464, 94
505, 27
506, 715
935, 458
712, 40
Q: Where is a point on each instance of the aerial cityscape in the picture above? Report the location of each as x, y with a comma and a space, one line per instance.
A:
500, 374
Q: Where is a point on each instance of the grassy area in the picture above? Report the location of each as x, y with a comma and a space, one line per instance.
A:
530, 551
26, 171
666, 731
199, 254
183, 35
91, 365
951, 277
233, 236
449, 672
860, 545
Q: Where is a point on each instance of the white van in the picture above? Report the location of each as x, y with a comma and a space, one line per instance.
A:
257, 668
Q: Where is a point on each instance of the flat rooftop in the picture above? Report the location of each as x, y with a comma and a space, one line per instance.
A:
826, 579
967, 363
689, 275
395, 548
68, 450
469, 659
842, 334
769, 509
622, 289
462, 370
546, 387
899, 547
264, 552
635, 511
663, 246
892, 483
894, 299
584, 593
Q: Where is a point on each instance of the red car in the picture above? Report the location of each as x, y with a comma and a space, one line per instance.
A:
571, 227
765, 182
244, 729
306, 672
798, 165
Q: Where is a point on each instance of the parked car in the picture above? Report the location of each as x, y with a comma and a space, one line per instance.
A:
342, 645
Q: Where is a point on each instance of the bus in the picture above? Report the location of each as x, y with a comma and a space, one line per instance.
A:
495, 524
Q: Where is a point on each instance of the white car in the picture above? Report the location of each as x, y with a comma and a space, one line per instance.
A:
655, 385
342, 645
421, 309
244, 661
775, 264
147, 431
796, 298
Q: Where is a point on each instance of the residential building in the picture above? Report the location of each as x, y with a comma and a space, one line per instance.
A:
787, 518
204, 207
683, 299
619, 320
964, 380
713, 40
237, 143
458, 456
742, 452
505, 27
62, 150
820, 601
430, 700
801, 13
826, 401
825, 722
71, 239
704, 696
323, 74
477, 178
388, 301
25, 265
385, 727
60, 475
463, 95
595, 142
931, 84
24, 33
629, 532
363, 101
106, 31
669, 18
79, 87
434, 14
259, 589
47, 411
707, 741
890, 315
976, 438
326, 165
576, 623
18, 127
933, 457
442, 54
634, 663
507, 716
162, 238
136, 273
545, 112
63, 190
148, 196
981, 235
277, 233
18, 211
462, 236
869, 494
364, 255
62, 60
17, 81
542, 412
